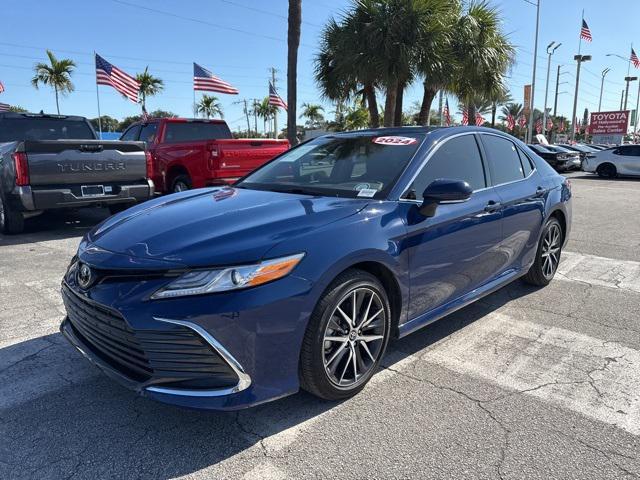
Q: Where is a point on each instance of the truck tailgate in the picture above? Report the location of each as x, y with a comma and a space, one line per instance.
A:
64, 162
240, 156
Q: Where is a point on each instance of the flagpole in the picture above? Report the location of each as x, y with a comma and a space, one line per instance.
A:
194, 102
580, 37
98, 98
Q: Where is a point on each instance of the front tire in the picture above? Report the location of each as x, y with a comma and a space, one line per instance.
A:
11, 222
547, 255
346, 337
607, 170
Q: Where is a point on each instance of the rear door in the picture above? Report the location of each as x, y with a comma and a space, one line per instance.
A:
627, 159
522, 195
453, 252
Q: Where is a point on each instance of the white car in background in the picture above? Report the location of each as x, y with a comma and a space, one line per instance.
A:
609, 163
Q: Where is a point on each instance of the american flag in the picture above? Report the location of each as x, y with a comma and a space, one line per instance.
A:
577, 126
511, 122
1, 87
634, 59
561, 126
549, 124
465, 116
539, 125
204, 80
112, 76
4, 107
446, 114
479, 118
522, 121
585, 32
274, 98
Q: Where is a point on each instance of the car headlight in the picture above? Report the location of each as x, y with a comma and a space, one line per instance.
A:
199, 282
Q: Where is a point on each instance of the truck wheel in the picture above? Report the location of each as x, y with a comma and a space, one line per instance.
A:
181, 183
10, 221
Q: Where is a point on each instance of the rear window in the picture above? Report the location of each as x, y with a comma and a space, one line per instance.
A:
194, 131
37, 128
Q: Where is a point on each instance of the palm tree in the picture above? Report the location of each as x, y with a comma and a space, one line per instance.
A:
356, 117
209, 106
435, 58
149, 86
293, 42
483, 53
56, 74
344, 66
313, 114
266, 111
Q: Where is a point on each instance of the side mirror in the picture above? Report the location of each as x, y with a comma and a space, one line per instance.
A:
444, 190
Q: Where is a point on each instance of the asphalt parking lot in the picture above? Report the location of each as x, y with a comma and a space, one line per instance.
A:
527, 383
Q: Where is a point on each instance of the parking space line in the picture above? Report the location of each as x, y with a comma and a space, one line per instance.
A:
601, 271
596, 378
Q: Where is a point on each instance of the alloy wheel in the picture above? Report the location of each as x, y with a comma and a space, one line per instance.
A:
551, 250
354, 337
180, 187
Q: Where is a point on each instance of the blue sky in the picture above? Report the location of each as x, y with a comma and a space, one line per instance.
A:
239, 42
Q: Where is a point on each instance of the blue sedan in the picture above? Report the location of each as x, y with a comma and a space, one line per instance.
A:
299, 274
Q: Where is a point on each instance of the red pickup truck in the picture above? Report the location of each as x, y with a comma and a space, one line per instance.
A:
194, 153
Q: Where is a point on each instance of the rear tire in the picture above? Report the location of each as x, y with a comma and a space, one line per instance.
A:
547, 255
339, 357
181, 183
11, 222
607, 170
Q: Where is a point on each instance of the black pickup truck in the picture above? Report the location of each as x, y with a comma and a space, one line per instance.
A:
56, 161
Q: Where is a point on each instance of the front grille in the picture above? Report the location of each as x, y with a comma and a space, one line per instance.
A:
108, 335
174, 358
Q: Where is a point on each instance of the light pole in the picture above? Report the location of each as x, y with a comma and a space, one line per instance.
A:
604, 74
558, 83
579, 59
552, 47
533, 80
627, 79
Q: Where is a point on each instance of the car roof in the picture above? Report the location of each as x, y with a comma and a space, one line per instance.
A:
39, 115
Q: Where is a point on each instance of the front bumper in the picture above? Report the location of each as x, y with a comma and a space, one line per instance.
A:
256, 332
29, 198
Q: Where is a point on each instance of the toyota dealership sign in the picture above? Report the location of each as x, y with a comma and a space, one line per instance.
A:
609, 123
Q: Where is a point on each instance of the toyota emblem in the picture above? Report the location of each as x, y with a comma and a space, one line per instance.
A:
85, 276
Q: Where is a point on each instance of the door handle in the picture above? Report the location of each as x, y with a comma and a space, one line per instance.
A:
492, 206
540, 191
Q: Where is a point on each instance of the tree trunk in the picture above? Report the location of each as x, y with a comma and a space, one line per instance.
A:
494, 107
57, 105
390, 103
397, 114
471, 109
427, 99
293, 42
372, 104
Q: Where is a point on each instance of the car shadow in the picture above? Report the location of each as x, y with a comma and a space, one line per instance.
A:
592, 176
59, 415
57, 225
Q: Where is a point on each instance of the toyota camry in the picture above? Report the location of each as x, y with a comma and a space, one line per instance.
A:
299, 274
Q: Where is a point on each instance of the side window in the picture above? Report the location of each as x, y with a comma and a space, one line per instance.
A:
148, 132
131, 134
526, 163
459, 159
504, 159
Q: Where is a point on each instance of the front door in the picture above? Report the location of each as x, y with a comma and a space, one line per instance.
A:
453, 252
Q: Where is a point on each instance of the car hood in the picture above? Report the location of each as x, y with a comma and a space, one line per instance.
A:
222, 226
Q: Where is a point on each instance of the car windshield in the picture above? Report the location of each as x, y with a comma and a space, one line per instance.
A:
44, 128
353, 165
